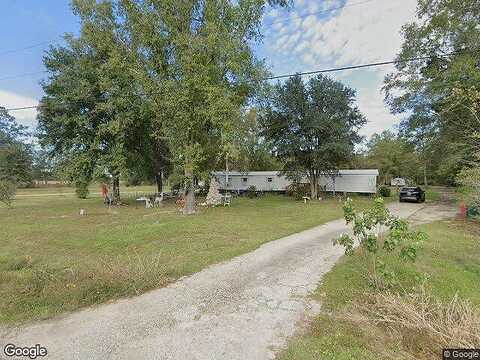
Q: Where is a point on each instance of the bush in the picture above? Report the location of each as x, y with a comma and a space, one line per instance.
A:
81, 189
373, 244
7, 192
252, 191
298, 190
384, 191
133, 181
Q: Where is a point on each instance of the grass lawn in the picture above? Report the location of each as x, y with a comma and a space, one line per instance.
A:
449, 258
54, 260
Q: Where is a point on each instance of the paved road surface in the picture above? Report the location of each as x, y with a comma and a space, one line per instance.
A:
243, 309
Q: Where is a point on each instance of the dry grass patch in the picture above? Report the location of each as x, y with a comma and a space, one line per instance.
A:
424, 323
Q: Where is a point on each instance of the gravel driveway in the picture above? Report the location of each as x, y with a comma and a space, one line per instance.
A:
245, 308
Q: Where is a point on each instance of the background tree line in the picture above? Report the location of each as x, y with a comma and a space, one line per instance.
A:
152, 89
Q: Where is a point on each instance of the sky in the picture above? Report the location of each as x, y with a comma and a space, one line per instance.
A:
312, 35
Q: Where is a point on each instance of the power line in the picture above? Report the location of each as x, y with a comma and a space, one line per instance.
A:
343, 68
288, 18
306, 73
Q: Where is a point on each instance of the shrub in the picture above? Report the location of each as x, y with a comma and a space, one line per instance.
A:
298, 190
7, 192
81, 189
133, 181
368, 231
384, 191
251, 191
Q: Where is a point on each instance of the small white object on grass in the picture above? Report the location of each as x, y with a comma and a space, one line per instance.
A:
83, 212
158, 201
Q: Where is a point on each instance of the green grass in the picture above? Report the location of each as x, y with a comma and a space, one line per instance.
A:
53, 260
449, 259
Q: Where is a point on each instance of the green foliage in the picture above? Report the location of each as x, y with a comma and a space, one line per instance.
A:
15, 154
200, 55
252, 191
81, 188
313, 126
16, 163
440, 93
254, 153
470, 179
392, 155
377, 232
7, 192
384, 191
298, 190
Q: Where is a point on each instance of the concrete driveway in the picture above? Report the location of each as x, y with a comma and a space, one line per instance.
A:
245, 308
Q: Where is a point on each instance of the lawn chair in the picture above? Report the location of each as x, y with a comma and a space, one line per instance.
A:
226, 200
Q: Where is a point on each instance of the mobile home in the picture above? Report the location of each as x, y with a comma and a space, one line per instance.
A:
354, 181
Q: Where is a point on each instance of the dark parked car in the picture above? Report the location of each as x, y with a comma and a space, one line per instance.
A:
413, 193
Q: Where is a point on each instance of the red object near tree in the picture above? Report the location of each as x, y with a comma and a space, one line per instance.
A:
463, 211
104, 191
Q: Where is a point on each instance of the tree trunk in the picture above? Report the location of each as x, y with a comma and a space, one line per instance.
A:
226, 171
116, 190
159, 180
189, 207
425, 182
313, 185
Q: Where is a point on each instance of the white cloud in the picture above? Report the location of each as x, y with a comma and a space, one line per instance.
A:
356, 34
372, 106
25, 117
363, 33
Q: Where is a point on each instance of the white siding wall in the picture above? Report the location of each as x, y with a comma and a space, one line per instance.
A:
350, 182
261, 183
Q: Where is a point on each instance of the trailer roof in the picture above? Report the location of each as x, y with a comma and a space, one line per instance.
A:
277, 173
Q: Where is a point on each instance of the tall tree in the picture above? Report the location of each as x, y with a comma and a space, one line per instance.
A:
93, 116
313, 126
445, 38
200, 69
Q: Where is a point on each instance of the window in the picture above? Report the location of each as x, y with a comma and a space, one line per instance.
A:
270, 179
244, 180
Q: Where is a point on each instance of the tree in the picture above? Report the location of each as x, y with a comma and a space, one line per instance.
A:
393, 155
43, 165
312, 126
7, 192
199, 66
445, 39
15, 154
92, 117
253, 151
376, 241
